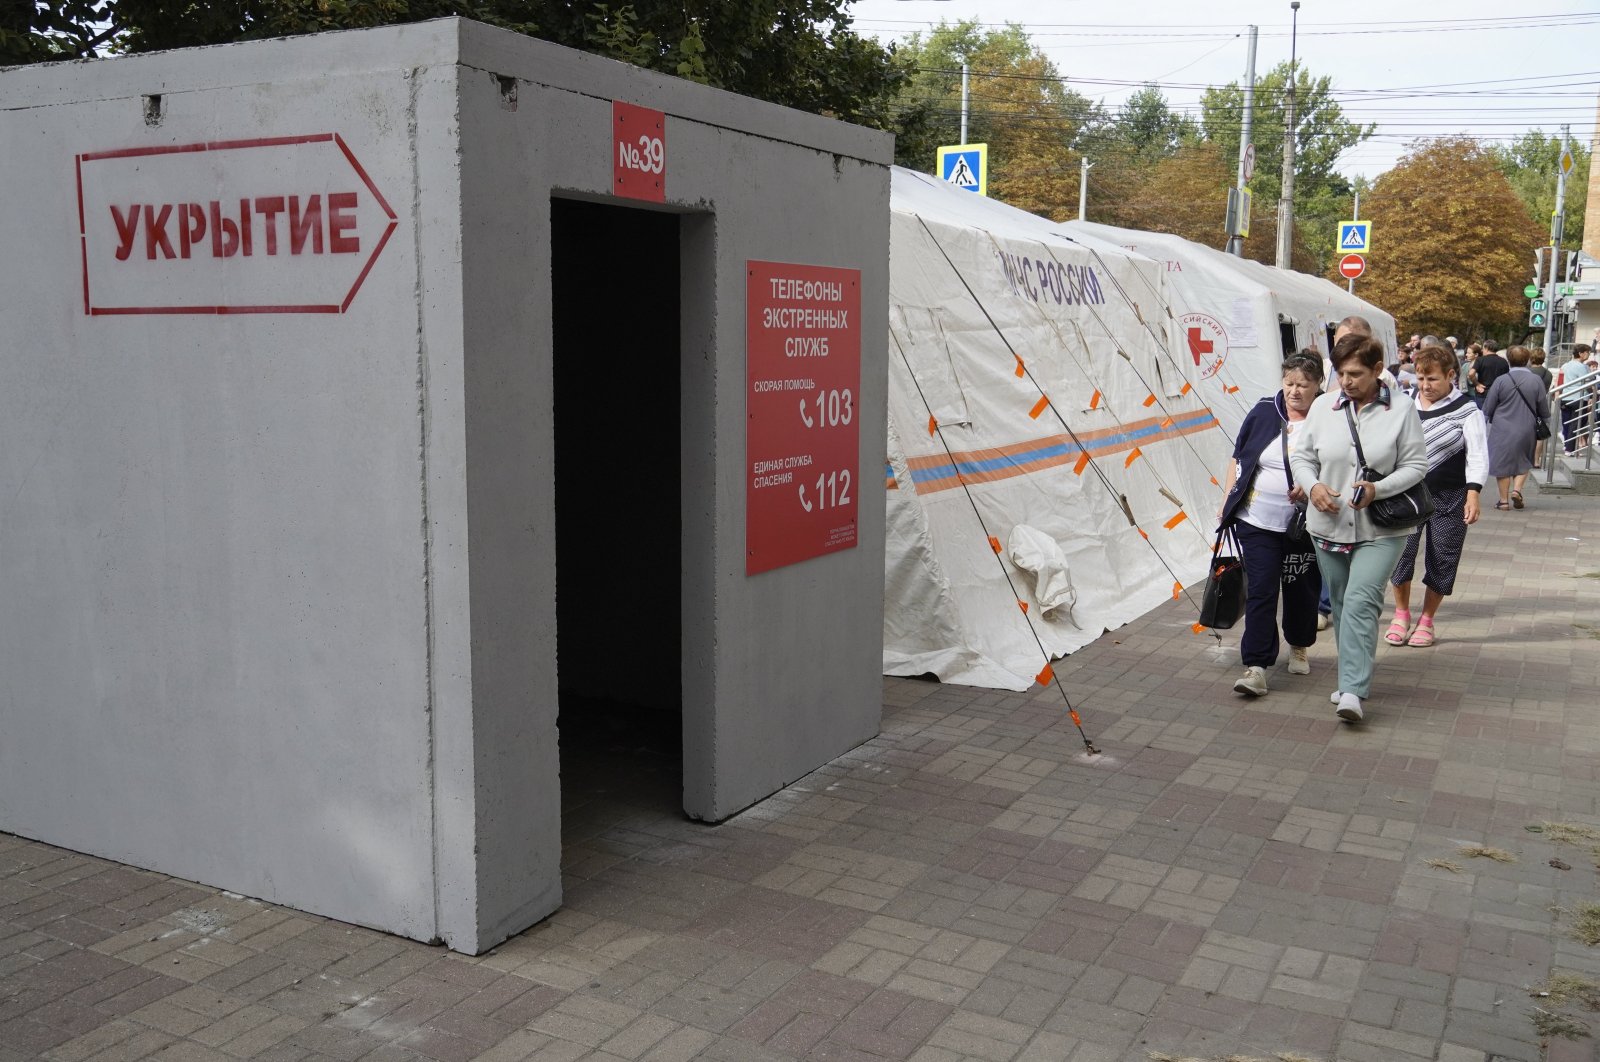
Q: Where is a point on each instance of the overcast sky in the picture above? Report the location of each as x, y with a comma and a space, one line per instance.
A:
1490, 69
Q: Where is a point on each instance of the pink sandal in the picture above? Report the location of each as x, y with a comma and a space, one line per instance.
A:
1396, 634
1423, 636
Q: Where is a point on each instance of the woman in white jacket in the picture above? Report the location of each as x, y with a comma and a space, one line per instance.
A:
1355, 555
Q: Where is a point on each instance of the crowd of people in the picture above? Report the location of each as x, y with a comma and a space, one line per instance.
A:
1342, 433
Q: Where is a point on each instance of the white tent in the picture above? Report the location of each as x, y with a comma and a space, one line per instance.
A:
1238, 317
1049, 445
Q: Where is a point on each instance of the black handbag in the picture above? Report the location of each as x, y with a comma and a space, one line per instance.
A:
1223, 602
1412, 508
1297, 520
1541, 427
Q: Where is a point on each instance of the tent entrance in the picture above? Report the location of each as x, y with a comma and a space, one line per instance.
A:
615, 294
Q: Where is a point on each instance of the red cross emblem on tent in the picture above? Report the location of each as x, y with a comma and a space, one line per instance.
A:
1207, 341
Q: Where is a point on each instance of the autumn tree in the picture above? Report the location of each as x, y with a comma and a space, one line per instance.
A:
1019, 106
1322, 133
1454, 242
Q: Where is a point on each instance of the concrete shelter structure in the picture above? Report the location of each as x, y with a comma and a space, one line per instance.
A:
353, 379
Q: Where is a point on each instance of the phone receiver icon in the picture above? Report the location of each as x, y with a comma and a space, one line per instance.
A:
805, 417
803, 498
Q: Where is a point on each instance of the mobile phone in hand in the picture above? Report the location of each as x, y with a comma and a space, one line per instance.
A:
1360, 492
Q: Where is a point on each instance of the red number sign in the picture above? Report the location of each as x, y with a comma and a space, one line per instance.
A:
638, 152
803, 396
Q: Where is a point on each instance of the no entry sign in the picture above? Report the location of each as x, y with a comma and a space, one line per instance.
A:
802, 402
1352, 266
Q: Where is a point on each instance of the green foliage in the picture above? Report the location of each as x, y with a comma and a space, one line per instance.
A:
800, 53
1531, 163
1150, 129
1322, 133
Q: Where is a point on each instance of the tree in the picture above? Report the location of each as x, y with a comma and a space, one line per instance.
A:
1149, 128
1019, 107
1455, 242
1531, 163
800, 53
1322, 134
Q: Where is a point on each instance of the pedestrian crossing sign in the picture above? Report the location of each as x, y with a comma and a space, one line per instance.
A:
966, 166
1355, 237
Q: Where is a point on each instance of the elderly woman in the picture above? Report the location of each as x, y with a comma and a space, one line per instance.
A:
1515, 403
1355, 555
1458, 461
1259, 503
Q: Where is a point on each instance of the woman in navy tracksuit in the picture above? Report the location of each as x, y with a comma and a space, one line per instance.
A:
1260, 501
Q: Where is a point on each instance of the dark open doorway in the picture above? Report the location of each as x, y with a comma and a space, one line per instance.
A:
616, 359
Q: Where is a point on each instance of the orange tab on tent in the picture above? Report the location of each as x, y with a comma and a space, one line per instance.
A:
1149, 400
1176, 520
1043, 678
1233, 390
1177, 591
1167, 423
994, 543
1142, 533
1185, 388
1082, 463
1021, 372
1133, 455
1214, 482
933, 424
1199, 628
1039, 407
1075, 720
1094, 403
1023, 605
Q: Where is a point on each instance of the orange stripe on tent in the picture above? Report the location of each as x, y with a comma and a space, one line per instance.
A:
1082, 463
1023, 605
933, 424
994, 543
1233, 390
1176, 520
1177, 591
1185, 388
1075, 720
1094, 403
1021, 372
1199, 628
1149, 400
1142, 533
1043, 678
1167, 423
1039, 407
1133, 455
1214, 482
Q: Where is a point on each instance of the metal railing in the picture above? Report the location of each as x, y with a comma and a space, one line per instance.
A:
1574, 420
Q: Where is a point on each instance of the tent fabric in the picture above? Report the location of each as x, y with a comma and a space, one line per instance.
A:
1239, 307
1033, 383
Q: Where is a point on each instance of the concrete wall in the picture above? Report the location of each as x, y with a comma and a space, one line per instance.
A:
280, 585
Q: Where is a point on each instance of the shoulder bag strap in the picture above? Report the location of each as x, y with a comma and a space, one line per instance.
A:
1525, 401
1355, 436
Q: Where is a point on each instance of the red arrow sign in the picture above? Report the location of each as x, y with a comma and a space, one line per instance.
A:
1352, 266
271, 225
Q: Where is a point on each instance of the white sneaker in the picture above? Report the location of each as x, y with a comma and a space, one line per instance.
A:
1323, 621
1299, 660
1253, 682
1336, 696
1349, 708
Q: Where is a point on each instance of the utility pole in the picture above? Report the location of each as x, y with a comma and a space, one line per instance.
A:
1355, 215
1558, 225
1286, 202
965, 102
1246, 145
1083, 187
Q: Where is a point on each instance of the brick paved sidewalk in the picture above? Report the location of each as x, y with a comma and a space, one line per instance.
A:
1231, 876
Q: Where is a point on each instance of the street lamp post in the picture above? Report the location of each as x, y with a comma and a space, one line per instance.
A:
1286, 199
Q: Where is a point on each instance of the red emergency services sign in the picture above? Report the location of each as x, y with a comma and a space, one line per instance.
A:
803, 396
271, 225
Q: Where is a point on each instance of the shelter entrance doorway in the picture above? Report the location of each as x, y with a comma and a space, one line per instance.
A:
616, 357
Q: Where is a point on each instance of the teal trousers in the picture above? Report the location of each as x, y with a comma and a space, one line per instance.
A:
1356, 583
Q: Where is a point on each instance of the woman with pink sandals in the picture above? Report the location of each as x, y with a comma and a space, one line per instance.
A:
1458, 461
